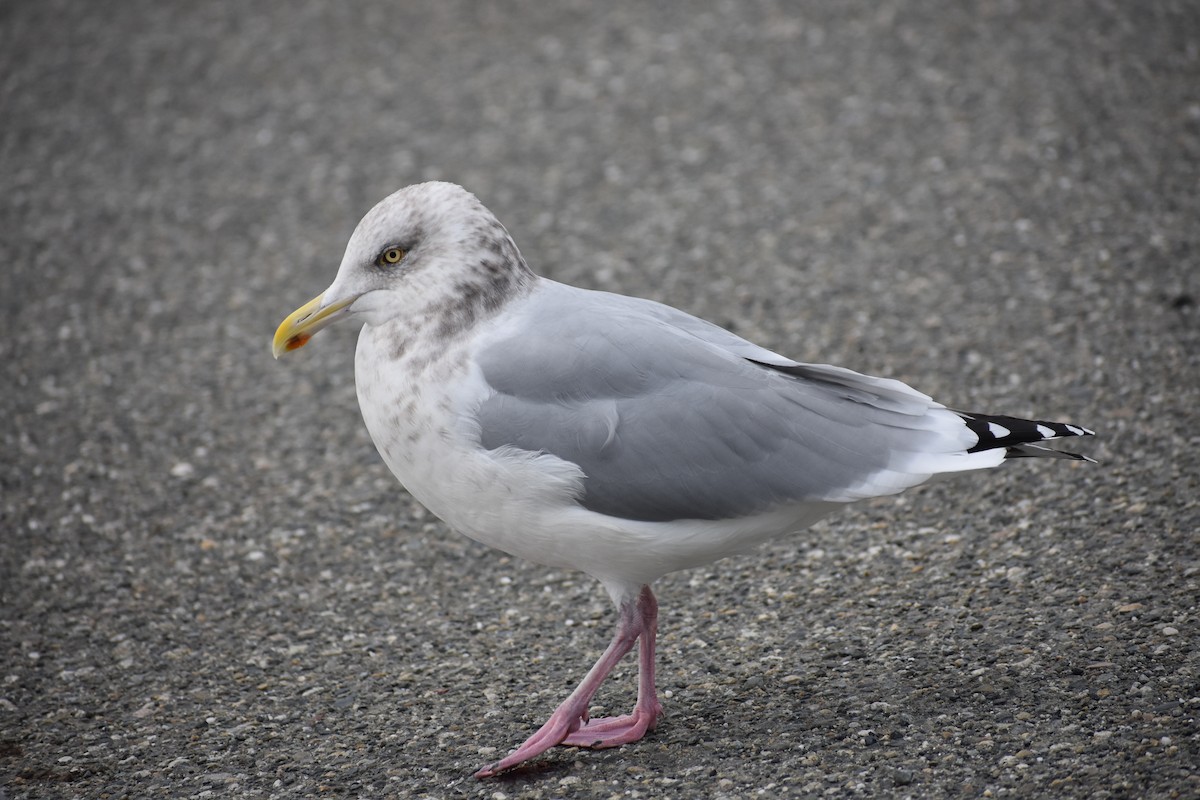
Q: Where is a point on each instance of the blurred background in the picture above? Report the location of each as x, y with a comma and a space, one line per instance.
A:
209, 583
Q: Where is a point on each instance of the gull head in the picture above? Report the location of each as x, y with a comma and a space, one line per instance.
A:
430, 252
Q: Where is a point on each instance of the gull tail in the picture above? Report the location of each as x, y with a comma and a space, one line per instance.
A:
1020, 437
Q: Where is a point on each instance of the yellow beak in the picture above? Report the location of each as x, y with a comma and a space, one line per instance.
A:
295, 331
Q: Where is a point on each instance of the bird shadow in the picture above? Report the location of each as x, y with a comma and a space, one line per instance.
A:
537, 771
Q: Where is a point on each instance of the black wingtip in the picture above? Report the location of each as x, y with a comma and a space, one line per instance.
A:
1018, 436
1037, 451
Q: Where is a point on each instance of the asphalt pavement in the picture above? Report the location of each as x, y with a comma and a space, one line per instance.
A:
211, 586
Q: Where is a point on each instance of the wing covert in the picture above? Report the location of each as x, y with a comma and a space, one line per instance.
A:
671, 421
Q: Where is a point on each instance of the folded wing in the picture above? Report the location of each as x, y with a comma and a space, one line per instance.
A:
670, 417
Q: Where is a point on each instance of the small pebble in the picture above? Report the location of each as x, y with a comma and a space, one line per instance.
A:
183, 470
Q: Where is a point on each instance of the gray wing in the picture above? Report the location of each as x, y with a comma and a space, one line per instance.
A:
670, 417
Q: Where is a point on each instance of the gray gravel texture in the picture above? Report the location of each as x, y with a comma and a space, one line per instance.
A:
212, 587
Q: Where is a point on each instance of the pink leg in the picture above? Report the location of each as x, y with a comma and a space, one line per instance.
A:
614, 731
569, 723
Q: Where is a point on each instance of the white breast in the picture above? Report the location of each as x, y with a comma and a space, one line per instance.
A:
419, 410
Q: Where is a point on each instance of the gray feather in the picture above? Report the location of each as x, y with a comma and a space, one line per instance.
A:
669, 418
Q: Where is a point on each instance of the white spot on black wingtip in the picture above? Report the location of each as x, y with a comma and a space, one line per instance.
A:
1018, 435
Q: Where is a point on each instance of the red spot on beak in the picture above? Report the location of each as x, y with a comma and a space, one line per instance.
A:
297, 341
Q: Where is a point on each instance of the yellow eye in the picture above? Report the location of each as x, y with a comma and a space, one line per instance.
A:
393, 255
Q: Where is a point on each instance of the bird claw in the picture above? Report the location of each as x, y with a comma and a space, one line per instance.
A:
562, 723
614, 731
595, 734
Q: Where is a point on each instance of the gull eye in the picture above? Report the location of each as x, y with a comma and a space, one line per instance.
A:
389, 257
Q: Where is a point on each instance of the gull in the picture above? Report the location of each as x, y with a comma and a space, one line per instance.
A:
609, 434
